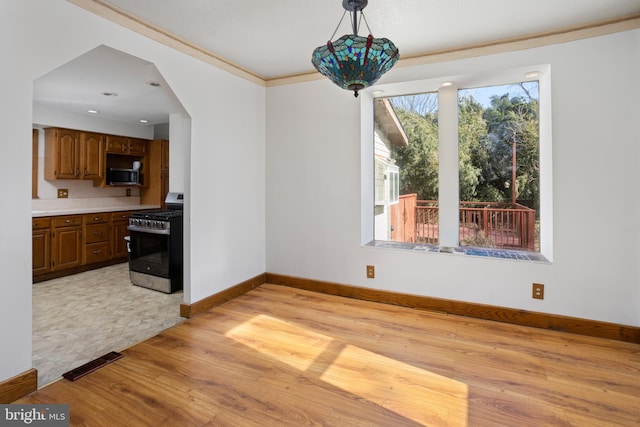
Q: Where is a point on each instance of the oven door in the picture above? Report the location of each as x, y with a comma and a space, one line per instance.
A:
149, 253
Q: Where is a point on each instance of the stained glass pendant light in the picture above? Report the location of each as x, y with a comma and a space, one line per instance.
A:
354, 62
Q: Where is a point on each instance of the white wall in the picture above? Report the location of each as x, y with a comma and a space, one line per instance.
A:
225, 156
313, 216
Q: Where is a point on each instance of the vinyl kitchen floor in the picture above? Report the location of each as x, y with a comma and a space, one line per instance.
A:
81, 317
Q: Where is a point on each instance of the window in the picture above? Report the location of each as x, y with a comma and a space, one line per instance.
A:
499, 166
470, 159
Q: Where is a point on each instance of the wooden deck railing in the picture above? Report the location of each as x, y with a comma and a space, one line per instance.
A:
501, 225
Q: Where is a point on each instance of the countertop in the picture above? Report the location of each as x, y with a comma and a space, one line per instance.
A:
79, 211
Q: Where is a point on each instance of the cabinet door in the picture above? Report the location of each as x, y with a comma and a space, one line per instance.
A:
117, 144
164, 189
67, 251
137, 147
41, 250
119, 245
92, 155
67, 157
164, 156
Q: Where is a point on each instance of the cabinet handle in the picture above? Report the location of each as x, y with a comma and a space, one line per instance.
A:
97, 251
97, 233
97, 218
67, 221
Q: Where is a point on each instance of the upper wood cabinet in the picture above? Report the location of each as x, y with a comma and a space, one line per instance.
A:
92, 155
73, 154
158, 174
76, 154
61, 154
125, 145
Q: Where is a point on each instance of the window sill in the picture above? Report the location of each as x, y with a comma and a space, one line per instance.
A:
508, 254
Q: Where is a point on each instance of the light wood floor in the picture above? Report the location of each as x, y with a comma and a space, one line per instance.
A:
279, 356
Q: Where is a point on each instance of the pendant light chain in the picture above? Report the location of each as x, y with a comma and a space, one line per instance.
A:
365, 21
336, 30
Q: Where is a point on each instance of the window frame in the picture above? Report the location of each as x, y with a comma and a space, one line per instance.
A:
448, 148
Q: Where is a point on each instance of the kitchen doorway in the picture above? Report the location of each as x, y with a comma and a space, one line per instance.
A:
80, 317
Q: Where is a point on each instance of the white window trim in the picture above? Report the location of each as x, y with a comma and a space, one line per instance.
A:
448, 148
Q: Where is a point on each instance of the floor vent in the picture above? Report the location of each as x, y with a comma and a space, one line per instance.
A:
89, 367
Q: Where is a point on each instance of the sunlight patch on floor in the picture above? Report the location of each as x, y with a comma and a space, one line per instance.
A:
414, 393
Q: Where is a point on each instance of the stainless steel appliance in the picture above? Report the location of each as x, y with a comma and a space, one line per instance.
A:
123, 176
156, 246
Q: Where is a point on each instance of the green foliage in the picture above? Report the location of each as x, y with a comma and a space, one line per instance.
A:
486, 137
418, 161
472, 131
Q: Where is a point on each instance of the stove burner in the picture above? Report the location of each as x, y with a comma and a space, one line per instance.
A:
158, 215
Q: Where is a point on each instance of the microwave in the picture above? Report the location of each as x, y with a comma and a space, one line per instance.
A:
123, 176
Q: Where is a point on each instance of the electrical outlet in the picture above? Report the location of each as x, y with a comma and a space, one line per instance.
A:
371, 272
538, 291
63, 193
128, 192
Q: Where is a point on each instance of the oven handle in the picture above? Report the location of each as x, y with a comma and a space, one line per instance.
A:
164, 231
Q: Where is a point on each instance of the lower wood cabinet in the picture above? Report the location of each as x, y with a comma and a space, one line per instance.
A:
68, 244
41, 245
97, 246
119, 221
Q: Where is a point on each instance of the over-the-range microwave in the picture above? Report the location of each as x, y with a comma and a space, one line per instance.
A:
123, 176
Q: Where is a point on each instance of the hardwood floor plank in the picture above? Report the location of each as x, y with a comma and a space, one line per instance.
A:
279, 356
489, 407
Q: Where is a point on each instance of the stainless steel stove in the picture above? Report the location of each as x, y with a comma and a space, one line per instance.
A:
156, 246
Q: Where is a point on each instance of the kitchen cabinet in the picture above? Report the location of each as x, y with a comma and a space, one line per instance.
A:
61, 154
157, 184
41, 245
92, 156
120, 222
126, 146
72, 154
66, 242
70, 244
97, 241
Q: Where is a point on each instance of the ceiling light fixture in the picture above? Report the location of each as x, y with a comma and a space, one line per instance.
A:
354, 62
532, 74
144, 121
93, 111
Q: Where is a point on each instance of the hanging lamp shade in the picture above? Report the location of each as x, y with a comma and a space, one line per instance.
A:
354, 62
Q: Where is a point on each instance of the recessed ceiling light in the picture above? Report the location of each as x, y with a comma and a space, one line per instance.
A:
532, 74
377, 92
144, 121
109, 94
93, 111
153, 83
446, 84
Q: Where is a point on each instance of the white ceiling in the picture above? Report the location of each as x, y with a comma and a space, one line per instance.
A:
275, 38
81, 84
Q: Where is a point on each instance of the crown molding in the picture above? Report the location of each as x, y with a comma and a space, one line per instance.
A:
104, 9
565, 35
133, 23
